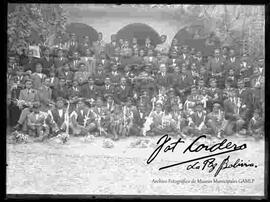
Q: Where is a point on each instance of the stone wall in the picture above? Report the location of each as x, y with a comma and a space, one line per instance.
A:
110, 21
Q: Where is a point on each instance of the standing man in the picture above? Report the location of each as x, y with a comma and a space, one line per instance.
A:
99, 45
216, 67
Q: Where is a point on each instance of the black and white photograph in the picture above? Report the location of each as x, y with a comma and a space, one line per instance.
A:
135, 100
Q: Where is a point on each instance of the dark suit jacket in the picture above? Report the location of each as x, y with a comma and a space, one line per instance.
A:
215, 66
59, 120
196, 119
89, 93
184, 83
59, 63
121, 95
69, 76
60, 92
229, 109
99, 78
46, 64
72, 92
163, 80
103, 90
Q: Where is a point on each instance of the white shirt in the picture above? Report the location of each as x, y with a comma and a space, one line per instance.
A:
200, 114
60, 111
40, 75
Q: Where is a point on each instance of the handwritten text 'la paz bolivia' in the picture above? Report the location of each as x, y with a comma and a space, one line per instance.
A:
210, 162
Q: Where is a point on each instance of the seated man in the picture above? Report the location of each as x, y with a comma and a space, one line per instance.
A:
82, 119
154, 122
232, 114
196, 125
256, 124
26, 99
215, 120
36, 123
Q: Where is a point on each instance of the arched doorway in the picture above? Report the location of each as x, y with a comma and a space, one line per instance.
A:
140, 31
82, 30
195, 36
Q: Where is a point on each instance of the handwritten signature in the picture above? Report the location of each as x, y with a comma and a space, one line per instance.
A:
210, 162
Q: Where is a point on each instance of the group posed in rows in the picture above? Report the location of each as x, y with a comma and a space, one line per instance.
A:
125, 89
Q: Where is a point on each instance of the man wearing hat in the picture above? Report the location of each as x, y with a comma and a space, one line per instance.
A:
26, 99
163, 47
215, 120
30, 62
36, 123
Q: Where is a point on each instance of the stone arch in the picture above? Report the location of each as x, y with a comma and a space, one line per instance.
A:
81, 30
195, 36
140, 31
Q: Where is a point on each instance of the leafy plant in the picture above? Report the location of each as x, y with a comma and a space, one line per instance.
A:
26, 19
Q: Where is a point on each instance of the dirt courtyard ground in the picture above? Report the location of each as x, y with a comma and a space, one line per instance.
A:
79, 167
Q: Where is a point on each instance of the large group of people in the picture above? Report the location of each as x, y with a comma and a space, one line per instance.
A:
123, 88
